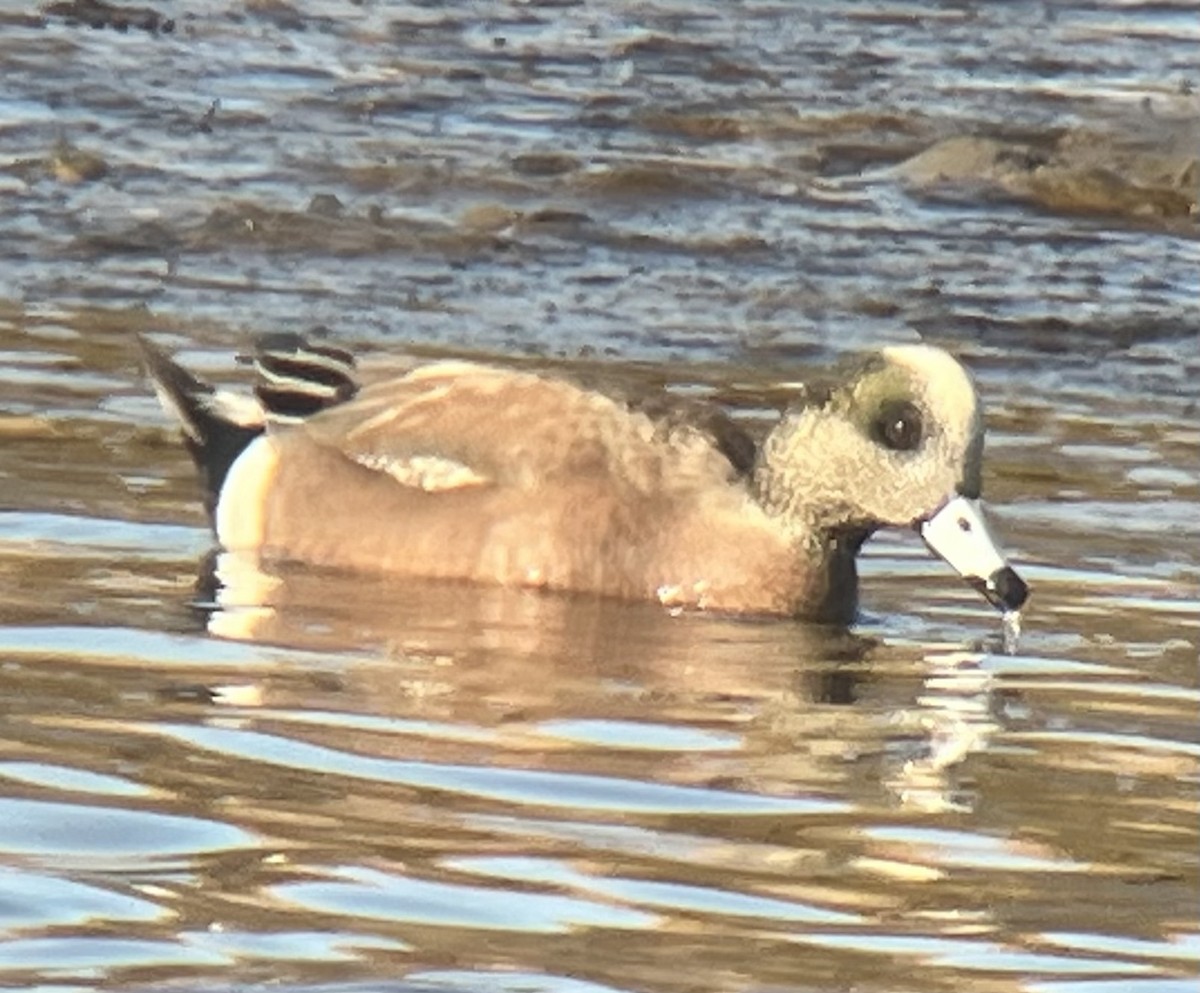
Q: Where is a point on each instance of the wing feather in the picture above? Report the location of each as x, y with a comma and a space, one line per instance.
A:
452, 424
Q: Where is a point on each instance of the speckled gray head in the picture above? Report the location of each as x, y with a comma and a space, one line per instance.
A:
897, 443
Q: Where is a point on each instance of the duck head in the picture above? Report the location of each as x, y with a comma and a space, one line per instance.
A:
895, 442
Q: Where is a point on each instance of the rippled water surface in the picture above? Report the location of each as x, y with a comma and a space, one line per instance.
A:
417, 787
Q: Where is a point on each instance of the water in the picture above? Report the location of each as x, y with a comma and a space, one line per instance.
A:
418, 787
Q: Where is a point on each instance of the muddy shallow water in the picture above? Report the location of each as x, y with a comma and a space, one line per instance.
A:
430, 787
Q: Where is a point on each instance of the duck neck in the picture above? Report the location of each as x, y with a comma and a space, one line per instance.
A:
828, 562
792, 487
819, 523
789, 481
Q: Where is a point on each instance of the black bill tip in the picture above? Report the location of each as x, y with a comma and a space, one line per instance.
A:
1004, 589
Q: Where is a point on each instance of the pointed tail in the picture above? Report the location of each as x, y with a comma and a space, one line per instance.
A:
295, 377
216, 427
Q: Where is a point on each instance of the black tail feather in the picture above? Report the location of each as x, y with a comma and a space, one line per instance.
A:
295, 378
213, 438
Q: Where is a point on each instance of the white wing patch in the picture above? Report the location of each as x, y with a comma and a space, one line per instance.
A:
430, 473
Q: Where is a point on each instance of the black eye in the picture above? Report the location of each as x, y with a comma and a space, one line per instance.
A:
898, 426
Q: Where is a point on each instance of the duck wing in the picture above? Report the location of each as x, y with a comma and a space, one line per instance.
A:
454, 424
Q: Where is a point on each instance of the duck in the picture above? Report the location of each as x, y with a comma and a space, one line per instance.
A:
478, 472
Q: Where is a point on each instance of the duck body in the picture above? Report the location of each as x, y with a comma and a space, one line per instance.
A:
472, 472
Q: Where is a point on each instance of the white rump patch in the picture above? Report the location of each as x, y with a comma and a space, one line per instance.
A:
430, 473
241, 505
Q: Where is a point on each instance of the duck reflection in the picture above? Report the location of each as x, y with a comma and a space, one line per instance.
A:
528, 634
825, 703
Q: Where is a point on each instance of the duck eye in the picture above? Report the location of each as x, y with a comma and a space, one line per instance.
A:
898, 426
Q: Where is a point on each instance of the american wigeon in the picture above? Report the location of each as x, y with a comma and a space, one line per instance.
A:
464, 471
